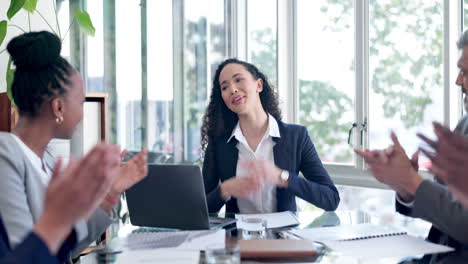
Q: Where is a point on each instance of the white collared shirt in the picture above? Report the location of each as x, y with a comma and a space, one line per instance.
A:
263, 201
39, 164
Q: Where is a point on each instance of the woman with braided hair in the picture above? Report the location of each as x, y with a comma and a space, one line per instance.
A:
49, 96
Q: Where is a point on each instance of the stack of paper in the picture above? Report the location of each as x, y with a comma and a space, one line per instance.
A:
370, 241
389, 246
333, 233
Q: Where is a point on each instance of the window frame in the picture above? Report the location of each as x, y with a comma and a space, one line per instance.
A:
236, 24
357, 175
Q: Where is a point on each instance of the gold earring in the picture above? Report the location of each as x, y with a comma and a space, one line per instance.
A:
59, 120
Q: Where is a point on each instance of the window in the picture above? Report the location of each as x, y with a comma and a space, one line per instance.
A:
325, 63
128, 74
204, 49
143, 68
160, 103
261, 24
63, 13
465, 14
354, 61
405, 71
95, 49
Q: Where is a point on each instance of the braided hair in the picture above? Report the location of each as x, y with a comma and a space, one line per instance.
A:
40, 70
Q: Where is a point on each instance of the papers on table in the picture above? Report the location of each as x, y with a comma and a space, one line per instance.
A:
398, 246
274, 220
158, 256
182, 240
370, 241
332, 233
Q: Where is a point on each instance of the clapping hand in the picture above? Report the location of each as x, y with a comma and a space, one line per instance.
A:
265, 170
393, 167
450, 160
75, 193
130, 173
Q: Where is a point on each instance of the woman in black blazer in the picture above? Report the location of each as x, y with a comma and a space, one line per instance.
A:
252, 160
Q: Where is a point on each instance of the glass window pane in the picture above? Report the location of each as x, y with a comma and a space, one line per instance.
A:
63, 10
160, 85
465, 14
128, 73
325, 64
95, 49
405, 71
204, 49
262, 34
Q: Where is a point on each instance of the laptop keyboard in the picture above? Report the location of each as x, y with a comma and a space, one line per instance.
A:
154, 240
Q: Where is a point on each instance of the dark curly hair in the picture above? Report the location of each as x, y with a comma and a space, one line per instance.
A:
218, 120
40, 70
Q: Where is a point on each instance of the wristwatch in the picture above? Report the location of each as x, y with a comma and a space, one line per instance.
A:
284, 175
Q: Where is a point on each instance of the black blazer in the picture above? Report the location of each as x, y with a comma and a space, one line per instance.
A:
32, 249
294, 152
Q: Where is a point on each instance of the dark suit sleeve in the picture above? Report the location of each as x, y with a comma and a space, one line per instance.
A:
211, 181
31, 250
65, 250
317, 187
402, 209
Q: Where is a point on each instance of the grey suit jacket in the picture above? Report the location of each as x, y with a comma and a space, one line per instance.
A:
22, 196
434, 203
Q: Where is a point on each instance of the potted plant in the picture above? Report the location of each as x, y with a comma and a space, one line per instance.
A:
81, 17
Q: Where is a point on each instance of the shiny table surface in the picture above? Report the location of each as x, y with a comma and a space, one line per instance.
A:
310, 220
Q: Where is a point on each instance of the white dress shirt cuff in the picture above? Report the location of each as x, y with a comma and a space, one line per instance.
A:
407, 204
81, 229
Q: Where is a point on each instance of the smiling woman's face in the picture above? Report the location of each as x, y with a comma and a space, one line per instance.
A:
239, 90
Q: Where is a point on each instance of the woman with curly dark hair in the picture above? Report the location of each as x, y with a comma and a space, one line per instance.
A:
252, 159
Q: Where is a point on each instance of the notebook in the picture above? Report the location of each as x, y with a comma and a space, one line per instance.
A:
346, 232
370, 241
398, 246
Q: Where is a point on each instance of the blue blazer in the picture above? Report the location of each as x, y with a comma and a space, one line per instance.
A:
294, 152
32, 249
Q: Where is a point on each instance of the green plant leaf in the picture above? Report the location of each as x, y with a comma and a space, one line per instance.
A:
10, 73
3, 30
84, 21
30, 5
15, 6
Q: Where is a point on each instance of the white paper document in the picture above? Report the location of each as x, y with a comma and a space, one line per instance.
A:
370, 241
326, 234
158, 256
398, 246
274, 220
182, 240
